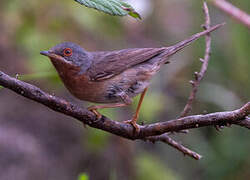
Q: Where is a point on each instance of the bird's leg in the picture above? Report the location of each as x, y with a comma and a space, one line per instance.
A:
124, 97
136, 115
94, 108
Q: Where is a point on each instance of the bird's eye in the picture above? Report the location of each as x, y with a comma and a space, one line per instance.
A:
67, 52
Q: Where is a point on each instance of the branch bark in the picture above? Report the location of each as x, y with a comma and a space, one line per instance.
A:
166, 139
237, 117
199, 76
188, 107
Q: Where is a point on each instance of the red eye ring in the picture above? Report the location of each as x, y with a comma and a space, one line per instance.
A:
67, 52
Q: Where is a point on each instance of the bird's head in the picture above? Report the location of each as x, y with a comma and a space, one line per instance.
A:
67, 55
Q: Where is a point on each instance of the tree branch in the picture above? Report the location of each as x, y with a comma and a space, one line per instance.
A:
188, 107
245, 123
237, 117
233, 11
166, 139
199, 76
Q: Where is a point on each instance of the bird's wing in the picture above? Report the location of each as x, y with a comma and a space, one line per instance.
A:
110, 63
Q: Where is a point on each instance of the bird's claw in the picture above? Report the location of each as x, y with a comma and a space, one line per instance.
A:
93, 109
133, 123
219, 127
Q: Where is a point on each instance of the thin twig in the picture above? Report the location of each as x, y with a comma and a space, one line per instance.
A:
199, 76
233, 11
195, 84
166, 139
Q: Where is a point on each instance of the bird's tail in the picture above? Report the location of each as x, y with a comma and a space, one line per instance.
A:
180, 45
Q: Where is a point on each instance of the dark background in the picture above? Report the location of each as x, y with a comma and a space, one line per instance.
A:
37, 143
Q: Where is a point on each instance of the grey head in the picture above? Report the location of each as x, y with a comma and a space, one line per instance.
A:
70, 54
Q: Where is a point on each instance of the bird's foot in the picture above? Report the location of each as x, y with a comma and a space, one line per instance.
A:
218, 127
94, 110
134, 124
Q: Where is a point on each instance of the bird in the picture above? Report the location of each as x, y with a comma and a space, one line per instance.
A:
112, 78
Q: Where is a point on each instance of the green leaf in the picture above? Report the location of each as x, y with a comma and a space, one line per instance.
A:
130, 10
83, 176
112, 7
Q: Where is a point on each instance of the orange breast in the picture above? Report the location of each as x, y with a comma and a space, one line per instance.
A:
82, 88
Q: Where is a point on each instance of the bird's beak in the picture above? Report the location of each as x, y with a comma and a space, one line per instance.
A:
46, 53
54, 57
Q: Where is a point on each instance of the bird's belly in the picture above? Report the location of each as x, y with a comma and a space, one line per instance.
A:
128, 83
107, 91
86, 90
137, 88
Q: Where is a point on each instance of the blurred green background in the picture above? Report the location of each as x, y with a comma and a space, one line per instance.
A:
36, 143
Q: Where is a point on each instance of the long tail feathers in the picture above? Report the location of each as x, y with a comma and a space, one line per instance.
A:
180, 45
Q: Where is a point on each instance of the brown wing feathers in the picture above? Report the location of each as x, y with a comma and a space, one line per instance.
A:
107, 64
